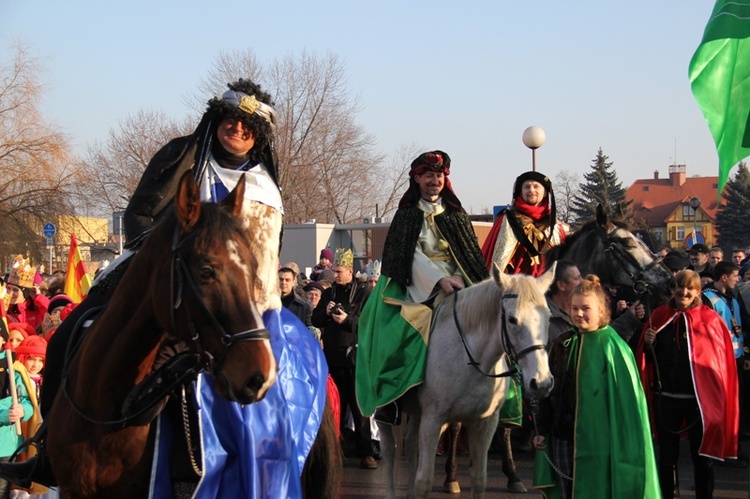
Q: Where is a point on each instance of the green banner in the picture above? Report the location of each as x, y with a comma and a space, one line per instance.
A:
720, 78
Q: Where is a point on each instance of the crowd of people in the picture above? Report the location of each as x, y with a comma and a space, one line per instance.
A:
681, 368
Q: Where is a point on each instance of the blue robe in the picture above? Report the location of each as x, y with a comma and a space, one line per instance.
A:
257, 450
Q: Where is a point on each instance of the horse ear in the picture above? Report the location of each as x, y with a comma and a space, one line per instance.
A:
502, 279
546, 279
620, 212
603, 219
235, 198
187, 202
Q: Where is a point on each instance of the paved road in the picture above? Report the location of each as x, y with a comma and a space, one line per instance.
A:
362, 484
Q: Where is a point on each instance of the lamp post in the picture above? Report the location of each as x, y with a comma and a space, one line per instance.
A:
533, 138
695, 203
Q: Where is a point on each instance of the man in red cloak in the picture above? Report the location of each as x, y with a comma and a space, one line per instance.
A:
522, 233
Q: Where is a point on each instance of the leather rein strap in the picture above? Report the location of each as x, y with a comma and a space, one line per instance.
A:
507, 345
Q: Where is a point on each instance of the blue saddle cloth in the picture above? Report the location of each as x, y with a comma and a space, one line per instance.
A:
257, 450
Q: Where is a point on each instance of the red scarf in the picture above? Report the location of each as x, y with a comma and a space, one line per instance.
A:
536, 213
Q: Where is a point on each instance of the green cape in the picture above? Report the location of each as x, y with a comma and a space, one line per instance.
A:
392, 352
614, 454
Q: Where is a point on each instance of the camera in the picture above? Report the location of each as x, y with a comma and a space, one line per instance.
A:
336, 310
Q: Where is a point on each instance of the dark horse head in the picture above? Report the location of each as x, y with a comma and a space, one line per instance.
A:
607, 248
211, 299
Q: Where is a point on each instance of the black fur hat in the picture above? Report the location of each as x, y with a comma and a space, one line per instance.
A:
536, 177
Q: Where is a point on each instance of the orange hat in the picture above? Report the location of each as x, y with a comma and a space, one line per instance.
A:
22, 327
33, 346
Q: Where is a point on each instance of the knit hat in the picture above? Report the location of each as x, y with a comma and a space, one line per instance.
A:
33, 346
58, 301
327, 254
22, 327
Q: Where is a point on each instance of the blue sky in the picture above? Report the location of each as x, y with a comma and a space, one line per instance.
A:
463, 77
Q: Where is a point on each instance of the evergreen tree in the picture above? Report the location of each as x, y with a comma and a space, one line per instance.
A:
601, 186
732, 220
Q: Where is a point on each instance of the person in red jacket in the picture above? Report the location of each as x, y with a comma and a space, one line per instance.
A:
525, 231
686, 358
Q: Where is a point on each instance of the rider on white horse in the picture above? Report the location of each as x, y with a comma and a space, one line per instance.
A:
430, 251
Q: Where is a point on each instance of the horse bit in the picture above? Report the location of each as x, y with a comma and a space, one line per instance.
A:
507, 345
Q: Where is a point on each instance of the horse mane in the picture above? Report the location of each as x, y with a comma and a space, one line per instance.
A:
556, 252
476, 302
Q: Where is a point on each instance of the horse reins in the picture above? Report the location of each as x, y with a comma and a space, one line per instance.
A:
505, 337
180, 275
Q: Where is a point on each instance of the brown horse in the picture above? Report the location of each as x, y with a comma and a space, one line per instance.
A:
202, 292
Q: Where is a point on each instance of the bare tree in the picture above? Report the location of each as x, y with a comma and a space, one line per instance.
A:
34, 160
395, 177
566, 186
111, 171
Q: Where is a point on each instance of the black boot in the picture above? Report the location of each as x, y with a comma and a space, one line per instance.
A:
37, 469
388, 414
668, 481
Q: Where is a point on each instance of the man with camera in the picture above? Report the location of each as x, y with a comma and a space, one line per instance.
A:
337, 314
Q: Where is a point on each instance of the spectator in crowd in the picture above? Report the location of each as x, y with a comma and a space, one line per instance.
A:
720, 296
567, 278
663, 251
675, 261
686, 357
337, 315
596, 393
19, 331
298, 284
699, 260
326, 278
523, 233
298, 306
314, 290
715, 255
53, 318
26, 303
324, 263
10, 413
373, 274
738, 256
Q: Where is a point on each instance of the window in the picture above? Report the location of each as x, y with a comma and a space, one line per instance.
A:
687, 211
658, 235
680, 233
645, 188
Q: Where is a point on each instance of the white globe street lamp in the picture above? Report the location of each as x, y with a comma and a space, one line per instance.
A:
533, 138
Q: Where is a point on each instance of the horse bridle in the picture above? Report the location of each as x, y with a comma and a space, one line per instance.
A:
181, 281
627, 260
505, 337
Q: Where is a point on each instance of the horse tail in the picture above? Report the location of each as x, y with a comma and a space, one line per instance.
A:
324, 467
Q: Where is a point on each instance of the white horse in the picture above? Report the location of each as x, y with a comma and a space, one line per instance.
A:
473, 333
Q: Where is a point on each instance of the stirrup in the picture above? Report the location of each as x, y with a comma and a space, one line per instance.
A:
388, 414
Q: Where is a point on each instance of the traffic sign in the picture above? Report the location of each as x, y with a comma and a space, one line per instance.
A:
694, 238
49, 230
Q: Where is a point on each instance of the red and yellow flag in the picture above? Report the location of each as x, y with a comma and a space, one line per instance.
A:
77, 281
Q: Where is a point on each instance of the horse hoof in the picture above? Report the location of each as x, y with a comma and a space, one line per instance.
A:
452, 487
517, 487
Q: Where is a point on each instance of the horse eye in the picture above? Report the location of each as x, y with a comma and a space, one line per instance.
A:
207, 272
513, 321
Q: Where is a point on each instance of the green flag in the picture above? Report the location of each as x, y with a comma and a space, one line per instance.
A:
720, 79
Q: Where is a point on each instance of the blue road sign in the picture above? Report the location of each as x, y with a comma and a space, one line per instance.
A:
49, 230
694, 238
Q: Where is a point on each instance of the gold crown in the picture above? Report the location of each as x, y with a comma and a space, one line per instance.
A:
343, 258
21, 273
